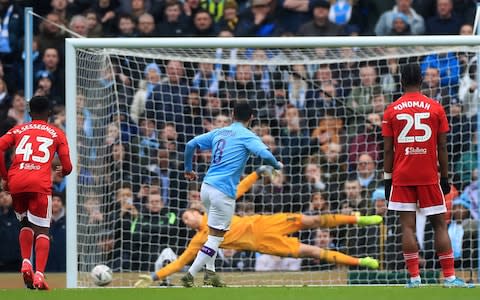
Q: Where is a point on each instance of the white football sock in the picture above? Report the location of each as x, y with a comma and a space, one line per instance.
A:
207, 254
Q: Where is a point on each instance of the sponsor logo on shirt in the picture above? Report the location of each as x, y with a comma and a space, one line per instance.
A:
29, 166
415, 151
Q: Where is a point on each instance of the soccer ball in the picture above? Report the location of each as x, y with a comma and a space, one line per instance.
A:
101, 275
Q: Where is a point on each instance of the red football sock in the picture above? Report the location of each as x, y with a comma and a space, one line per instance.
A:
447, 263
42, 246
411, 260
26, 242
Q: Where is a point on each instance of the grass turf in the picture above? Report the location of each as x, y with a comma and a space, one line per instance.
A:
245, 293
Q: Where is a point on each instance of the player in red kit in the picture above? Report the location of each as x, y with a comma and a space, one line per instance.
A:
414, 129
30, 184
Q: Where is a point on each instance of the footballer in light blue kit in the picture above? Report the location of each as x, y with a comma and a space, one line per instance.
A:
231, 146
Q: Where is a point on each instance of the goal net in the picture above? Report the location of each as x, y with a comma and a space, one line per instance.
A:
319, 111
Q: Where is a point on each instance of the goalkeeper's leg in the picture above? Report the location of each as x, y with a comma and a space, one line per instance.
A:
334, 220
336, 257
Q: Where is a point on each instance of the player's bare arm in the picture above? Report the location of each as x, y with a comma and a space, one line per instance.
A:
443, 162
388, 163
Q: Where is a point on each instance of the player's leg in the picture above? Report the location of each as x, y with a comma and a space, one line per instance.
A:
220, 213
404, 200
334, 220
432, 204
25, 237
410, 246
39, 214
335, 257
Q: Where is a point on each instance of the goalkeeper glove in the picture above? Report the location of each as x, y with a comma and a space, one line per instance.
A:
264, 171
144, 281
445, 185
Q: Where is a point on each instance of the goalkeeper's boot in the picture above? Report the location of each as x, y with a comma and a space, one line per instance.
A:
27, 272
369, 262
456, 283
369, 220
213, 279
39, 281
413, 283
187, 280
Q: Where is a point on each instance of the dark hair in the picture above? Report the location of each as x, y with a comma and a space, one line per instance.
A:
242, 111
39, 105
411, 75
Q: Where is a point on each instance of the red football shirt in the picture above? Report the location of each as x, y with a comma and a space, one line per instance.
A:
35, 145
414, 122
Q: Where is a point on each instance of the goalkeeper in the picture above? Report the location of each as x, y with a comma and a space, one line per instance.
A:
268, 234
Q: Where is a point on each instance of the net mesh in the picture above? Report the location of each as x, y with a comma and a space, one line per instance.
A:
318, 110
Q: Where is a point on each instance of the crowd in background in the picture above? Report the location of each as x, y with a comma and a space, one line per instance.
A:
323, 121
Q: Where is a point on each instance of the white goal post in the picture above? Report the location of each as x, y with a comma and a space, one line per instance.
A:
73, 45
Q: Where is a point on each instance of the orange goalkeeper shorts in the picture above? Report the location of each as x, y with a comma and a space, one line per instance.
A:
271, 234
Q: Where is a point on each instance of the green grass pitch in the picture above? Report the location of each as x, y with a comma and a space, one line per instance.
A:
246, 293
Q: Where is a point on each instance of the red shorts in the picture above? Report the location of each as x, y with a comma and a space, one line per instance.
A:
36, 206
428, 199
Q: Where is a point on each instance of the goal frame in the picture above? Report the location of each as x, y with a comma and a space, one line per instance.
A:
71, 44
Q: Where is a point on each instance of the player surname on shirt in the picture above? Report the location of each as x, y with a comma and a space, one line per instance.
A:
410, 104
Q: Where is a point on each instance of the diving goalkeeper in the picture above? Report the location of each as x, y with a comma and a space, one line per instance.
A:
268, 234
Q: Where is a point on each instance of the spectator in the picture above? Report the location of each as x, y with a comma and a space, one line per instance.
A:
258, 21
10, 260
19, 107
205, 79
329, 130
367, 174
230, 16
154, 226
168, 176
334, 170
293, 13
357, 240
148, 142
273, 195
50, 34
51, 64
221, 121
79, 26
5, 97
468, 92
203, 25
312, 183
152, 79
385, 24
138, 8
459, 136
57, 258
126, 26
94, 26
123, 168
400, 25
390, 81
60, 7
247, 87
431, 86
192, 116
466, 29
44, 86
449, 67
190, 7
320, 25
360, 100
341, 12
146, 26
446, 21
172, 24
466, 164
106, 14
322, 238
367, 140
297, 87
167, 99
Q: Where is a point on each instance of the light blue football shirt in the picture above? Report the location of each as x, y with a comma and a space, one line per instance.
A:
231, 146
